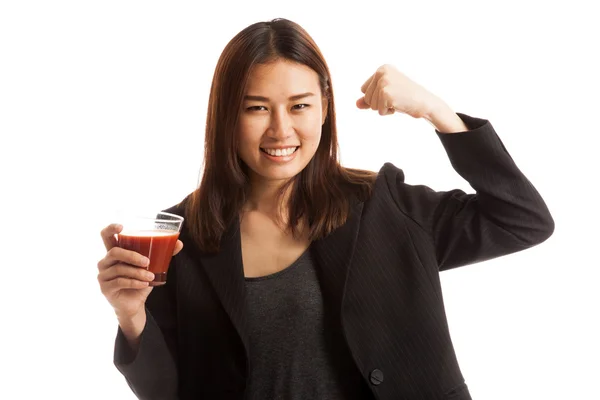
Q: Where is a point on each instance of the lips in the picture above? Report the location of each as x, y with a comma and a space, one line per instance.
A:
280, 151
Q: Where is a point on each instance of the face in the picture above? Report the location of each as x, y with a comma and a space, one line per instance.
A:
280, 122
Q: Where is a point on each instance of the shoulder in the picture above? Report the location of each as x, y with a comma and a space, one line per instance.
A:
390, 172
388, 179
373, 185
361, 184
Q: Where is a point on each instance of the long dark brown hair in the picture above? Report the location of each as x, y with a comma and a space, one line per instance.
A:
320, 195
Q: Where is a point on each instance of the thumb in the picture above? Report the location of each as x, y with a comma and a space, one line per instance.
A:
178, 247
360, 103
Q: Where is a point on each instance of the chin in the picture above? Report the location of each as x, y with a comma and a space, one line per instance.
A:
278, 175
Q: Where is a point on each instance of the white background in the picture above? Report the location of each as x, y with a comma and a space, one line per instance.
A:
102, 106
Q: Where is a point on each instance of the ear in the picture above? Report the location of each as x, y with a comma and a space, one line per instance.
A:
325, 109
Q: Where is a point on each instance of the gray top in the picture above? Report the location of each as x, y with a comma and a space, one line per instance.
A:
296, 353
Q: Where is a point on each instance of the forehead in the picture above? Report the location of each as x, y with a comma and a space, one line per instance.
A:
282, 78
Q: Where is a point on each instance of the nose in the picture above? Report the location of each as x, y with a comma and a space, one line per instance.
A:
281, 125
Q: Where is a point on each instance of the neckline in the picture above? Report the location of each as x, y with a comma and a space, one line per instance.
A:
277, 274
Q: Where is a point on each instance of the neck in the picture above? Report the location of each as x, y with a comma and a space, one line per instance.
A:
263, 197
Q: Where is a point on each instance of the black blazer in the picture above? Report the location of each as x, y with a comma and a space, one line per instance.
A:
379, 275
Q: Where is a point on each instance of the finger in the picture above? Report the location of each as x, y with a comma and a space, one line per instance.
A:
360, 103
370, 92
386, 110
123, 283
385, 105
125, 271
108, 235
377, 99
117, 254
178, 247
384, 100
366, 84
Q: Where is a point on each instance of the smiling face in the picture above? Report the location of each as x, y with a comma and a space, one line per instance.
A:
280, 122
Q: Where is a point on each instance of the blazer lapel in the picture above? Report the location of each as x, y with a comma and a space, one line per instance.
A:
225, 270
333, 255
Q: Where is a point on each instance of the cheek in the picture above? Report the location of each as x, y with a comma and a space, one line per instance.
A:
311, 134
248, 134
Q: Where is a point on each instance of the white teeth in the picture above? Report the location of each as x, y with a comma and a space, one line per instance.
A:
280, 152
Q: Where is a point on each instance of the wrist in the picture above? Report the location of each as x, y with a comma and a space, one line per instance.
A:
443, 118
132, 327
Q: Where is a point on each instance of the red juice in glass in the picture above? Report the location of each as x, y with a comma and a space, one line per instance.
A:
152, 237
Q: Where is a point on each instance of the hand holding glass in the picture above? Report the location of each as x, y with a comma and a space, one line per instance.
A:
154, 237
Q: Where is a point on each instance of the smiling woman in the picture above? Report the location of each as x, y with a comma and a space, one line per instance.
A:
282, 141
303, 279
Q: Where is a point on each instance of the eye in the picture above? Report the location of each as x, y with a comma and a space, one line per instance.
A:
300, 106
256, 108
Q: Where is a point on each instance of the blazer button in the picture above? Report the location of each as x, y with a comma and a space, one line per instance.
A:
376, 377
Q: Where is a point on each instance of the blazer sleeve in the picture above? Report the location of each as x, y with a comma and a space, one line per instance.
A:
506, 214
151, 373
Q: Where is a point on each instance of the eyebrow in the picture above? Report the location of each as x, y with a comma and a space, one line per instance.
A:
291, 98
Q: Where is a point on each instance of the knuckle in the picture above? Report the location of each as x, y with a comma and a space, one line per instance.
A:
386, 69
131, 257
114, 252
123, 282
116, 269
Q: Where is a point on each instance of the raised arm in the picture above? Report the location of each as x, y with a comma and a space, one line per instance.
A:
506, 213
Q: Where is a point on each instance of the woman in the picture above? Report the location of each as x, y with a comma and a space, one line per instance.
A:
302, 279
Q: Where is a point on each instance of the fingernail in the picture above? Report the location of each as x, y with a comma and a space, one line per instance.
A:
150, 276
145, 261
